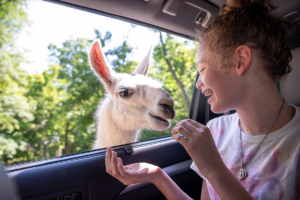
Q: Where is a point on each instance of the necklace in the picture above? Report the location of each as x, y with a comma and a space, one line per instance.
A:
243, 172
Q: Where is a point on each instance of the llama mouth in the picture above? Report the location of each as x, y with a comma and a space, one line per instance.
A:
158, 118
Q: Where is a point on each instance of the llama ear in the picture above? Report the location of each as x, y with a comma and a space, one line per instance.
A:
144, 65
99, 64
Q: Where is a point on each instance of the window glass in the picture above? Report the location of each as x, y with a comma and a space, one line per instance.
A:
49, 93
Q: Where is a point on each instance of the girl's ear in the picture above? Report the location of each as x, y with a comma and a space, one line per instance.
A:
243, 54
144, 65
99, 64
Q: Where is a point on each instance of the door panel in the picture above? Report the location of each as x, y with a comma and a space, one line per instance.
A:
84, 172
188, 181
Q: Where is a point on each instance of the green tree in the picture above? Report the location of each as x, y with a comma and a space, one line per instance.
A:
121, 63
175, 65
15, 109
12, 18
43, 136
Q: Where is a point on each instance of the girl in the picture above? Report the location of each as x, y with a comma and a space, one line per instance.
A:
254, 153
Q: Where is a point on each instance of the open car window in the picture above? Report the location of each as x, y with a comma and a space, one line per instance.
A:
49, 92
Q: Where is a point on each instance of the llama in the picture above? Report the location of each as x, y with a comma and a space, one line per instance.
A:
133, 102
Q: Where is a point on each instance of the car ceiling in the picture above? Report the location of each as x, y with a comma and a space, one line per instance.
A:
152, 13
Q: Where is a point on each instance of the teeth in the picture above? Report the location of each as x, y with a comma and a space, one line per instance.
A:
208, 93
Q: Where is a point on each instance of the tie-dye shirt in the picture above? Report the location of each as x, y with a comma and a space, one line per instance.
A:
273, 171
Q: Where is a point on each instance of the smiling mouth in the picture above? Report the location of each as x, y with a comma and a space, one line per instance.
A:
208, 93
158, 118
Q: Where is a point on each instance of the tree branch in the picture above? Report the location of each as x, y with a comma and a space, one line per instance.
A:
179, 83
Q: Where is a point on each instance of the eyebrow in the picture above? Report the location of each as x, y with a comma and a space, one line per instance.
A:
201, 61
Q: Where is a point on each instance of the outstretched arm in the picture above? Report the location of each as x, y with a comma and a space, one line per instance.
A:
141, 173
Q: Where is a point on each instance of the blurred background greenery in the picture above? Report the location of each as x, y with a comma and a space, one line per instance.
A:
51, 114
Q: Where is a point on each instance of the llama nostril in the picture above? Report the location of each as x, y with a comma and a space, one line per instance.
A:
170, 108
165, 106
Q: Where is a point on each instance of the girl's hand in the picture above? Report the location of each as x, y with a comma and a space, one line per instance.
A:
133, 173
200, 145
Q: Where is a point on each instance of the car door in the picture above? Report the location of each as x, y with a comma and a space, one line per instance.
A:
83, 175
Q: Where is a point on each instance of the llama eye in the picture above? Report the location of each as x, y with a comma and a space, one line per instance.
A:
125, 93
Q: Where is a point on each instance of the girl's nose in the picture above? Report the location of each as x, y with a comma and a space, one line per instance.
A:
199, 83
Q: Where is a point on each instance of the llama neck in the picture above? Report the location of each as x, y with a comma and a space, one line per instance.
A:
109, 131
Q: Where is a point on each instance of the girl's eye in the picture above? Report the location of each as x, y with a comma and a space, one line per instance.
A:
199, 72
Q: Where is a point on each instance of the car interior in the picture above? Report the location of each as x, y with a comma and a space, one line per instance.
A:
82, 176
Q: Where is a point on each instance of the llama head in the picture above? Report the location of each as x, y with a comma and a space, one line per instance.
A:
138, 101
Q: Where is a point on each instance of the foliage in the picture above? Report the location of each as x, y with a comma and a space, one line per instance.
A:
83, 94
182, 58
121, 64
15, 108
12, 18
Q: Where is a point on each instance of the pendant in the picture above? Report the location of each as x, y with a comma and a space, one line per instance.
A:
242, 173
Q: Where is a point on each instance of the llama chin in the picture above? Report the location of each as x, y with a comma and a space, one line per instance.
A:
133, 102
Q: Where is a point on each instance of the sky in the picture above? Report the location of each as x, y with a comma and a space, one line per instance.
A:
53, 24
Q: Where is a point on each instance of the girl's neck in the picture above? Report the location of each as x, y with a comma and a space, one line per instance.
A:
259, 113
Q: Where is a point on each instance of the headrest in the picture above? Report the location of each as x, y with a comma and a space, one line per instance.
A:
290, 85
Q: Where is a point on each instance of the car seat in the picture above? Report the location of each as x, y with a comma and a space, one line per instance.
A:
290, 85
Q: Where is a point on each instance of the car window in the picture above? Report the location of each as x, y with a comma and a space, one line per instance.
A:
49, 92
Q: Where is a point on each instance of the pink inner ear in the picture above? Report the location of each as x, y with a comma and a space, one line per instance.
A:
97, 61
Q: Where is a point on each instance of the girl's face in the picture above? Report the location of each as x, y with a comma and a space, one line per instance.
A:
219, 86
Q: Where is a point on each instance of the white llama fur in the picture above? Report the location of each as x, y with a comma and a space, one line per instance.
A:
119, 119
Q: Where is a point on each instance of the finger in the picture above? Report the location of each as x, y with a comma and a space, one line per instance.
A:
182, 130
107, 160
181, 140
121, 169
114, 170
190, 127
194, 123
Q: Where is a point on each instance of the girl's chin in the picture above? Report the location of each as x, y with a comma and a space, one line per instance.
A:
216, 108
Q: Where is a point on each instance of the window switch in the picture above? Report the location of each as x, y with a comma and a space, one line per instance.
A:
75, 196
129, 150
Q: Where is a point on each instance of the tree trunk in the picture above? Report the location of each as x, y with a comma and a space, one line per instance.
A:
47, 150
179, 83
4, 159
41, 149
66, 150
58, 151
27, 155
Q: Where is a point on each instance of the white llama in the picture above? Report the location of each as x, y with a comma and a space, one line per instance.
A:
133, 102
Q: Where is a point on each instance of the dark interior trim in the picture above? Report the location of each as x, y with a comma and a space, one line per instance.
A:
120, 18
